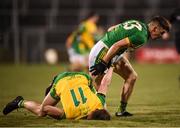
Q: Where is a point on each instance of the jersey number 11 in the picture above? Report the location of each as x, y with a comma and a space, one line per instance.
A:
75, 100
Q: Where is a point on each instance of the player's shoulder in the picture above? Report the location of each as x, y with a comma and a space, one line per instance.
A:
135, 21
84, 74
74, 74
62, 75
87, 76
69, 74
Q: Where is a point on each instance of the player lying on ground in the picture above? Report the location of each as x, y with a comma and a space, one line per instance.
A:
78, 97
109, 50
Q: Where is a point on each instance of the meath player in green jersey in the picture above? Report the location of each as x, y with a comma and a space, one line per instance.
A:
109, 51
78, 97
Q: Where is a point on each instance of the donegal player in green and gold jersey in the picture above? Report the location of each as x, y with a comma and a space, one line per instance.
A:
81, 41
109, 51
77, 94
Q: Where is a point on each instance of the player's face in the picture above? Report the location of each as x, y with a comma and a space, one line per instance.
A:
96, 18
157, 32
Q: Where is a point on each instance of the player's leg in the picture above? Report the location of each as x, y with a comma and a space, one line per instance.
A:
85, 63
74, 64
125, 70
48, 105
46, 108
19, 102
37, 108
76, 61
14, 104
80, 63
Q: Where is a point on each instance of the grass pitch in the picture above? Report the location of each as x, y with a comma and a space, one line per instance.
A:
155, 101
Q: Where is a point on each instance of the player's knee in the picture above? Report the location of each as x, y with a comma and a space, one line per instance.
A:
41, 113
133, 77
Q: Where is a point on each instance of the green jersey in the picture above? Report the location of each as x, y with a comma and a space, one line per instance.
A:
78, 45
135, 31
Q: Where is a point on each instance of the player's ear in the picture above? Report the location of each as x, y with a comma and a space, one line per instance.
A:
89, 116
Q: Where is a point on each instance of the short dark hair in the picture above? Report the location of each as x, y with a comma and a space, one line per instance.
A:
100, 114
163, 22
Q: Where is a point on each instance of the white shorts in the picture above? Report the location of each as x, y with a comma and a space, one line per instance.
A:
77, 58
95, 51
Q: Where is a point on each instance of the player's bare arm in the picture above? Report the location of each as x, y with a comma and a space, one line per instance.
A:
103, 64
124, 43
69, 41
106, 81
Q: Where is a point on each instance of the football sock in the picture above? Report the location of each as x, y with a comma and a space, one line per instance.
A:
21, 104
123, 106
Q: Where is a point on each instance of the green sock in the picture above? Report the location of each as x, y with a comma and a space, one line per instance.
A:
21, 104
123, 106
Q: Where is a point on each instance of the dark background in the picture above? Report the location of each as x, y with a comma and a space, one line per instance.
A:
29, 27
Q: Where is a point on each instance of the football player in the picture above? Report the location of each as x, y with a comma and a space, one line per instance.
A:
110, 50
76, 92
80, 42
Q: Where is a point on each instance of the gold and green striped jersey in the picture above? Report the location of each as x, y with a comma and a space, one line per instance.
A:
84, 37
77, 94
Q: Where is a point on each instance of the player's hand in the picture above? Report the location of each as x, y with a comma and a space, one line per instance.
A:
98, 68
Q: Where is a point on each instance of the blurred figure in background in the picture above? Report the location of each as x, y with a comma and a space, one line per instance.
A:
80, 42
175, 20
